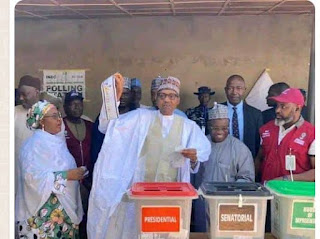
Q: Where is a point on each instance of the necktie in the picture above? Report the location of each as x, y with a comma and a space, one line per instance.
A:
235, 125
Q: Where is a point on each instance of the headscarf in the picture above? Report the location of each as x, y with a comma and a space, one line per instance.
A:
36, 112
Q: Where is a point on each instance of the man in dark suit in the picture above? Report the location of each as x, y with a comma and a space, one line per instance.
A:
244, 120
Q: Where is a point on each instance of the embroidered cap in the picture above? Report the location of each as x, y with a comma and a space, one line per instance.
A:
126, 82
171, 83
290, 95
218, 112
156, 82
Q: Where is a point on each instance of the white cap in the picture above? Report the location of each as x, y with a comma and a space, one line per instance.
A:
171, 83
218, 112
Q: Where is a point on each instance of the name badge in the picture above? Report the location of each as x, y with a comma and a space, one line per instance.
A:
290, 162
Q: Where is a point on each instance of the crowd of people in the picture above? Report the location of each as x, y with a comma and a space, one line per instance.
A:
72, 174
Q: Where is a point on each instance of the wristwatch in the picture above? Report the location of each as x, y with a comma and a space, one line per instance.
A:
193, 164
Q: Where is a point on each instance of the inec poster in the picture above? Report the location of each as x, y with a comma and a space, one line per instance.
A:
60, 82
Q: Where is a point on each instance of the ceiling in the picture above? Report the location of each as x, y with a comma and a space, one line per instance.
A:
89, 9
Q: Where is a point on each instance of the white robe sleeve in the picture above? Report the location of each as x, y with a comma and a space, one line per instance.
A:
199, 141
39, 183
193, 137
103, 121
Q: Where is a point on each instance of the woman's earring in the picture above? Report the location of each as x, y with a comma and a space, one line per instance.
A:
43, 127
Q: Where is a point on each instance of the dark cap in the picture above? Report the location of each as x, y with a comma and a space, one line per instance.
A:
72, 95
30, 81
204, 90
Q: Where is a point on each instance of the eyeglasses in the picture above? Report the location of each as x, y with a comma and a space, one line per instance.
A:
162, 96
54, 116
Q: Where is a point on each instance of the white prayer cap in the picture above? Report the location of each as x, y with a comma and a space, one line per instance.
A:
218, 112
171, 83
127, 83
156, 82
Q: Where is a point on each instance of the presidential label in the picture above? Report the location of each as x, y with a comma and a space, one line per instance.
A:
160, 219
234, 218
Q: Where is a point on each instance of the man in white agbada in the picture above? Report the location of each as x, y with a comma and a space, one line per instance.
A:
230, 159
142, 145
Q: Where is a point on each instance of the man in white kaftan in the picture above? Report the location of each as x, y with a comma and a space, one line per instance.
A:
141, 146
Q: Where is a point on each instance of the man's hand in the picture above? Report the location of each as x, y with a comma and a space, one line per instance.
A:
75, 174
119, 81
191, 154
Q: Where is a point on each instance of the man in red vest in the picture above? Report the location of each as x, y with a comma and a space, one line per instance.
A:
287, 149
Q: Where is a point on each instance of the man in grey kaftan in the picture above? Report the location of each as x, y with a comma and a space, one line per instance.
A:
230, 160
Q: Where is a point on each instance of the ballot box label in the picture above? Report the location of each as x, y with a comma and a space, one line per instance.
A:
235, 218
160, 219
303, 215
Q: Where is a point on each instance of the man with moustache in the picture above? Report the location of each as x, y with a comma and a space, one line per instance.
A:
289, 138
141, 146
274, 90
244, 120
156, 82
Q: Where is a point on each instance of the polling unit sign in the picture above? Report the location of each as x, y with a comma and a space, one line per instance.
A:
60, 82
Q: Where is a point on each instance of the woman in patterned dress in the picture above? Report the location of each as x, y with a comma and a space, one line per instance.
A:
48, 203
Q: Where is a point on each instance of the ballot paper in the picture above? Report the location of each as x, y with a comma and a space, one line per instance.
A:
86, 171
175, 158
109, 97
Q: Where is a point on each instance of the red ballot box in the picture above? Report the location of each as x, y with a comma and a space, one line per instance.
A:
163, 210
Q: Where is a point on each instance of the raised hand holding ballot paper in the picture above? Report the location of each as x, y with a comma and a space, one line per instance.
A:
111, 90
135, 149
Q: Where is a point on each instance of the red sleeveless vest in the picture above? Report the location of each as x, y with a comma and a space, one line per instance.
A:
298, 140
